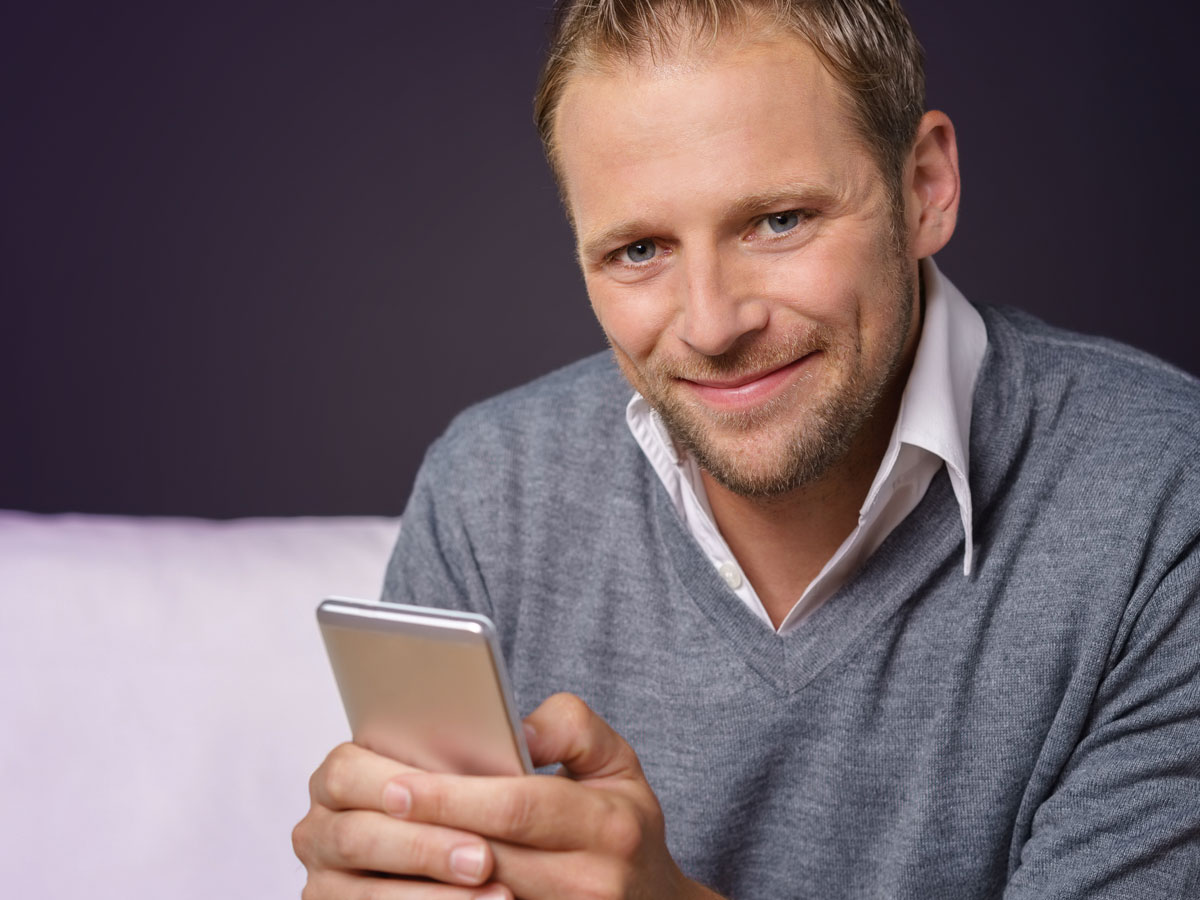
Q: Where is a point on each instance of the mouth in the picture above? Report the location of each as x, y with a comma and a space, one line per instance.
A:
747, 390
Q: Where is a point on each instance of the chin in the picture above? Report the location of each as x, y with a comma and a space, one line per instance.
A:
766, 465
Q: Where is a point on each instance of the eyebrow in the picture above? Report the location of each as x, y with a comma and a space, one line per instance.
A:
793, 194
789, 195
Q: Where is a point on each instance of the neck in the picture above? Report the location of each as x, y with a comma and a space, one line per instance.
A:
782, 542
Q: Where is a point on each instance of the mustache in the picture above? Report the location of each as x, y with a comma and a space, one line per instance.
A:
745, 359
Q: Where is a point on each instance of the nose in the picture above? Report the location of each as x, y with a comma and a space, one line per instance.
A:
716, 308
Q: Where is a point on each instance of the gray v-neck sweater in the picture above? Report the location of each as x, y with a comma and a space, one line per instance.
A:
1031, 730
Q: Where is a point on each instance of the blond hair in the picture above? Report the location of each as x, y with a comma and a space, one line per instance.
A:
868, 45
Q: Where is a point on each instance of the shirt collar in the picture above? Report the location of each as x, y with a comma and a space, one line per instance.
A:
935, 409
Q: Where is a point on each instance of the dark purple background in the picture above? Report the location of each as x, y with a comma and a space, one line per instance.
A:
255, 257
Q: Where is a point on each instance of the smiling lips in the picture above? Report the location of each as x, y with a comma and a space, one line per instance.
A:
744, 391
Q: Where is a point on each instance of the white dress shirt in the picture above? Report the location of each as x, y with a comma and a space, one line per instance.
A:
932, 429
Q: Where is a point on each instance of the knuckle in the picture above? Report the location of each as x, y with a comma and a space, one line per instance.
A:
346, 839
302, 841
575, 718
622, 831
423, 855
314, 783
572, 709
518, 814
335, 777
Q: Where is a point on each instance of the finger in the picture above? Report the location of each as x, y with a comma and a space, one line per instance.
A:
352, 777
531, 873
565, 730
538, 811
334, 885
534, 874
537, 875
375, 842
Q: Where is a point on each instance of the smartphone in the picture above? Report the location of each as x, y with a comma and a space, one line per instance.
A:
424, 686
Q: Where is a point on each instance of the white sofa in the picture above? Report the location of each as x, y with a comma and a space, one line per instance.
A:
164, 696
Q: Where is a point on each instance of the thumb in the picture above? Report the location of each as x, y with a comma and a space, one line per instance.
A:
565, 730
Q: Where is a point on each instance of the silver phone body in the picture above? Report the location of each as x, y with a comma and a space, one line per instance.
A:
424, 686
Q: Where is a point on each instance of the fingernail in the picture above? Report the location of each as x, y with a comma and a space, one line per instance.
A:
495, 892
467, 861
397, 799
530, 731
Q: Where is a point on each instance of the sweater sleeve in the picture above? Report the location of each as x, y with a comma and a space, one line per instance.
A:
1124, 819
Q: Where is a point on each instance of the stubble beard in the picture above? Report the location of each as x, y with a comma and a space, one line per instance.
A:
729, 445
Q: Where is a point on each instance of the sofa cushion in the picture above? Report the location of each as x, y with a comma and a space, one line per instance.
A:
164, 696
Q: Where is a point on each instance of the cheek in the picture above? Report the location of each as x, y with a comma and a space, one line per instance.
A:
825, 290
633, 318
846, 285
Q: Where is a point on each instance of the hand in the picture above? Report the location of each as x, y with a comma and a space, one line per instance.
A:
596, 833
352, 849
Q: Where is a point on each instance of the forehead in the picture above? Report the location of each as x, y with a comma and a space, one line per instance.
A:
713, 121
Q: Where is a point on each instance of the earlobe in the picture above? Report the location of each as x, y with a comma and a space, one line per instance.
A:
934, 184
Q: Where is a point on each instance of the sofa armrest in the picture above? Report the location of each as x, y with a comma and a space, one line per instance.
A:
164, 696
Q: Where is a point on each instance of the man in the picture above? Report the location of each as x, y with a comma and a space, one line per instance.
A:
869, 593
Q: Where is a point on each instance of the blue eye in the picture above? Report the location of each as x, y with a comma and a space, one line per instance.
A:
641, 251
784, 221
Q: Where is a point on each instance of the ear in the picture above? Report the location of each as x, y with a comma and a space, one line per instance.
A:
932, 190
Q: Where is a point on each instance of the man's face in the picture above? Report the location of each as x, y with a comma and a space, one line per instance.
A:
739, 249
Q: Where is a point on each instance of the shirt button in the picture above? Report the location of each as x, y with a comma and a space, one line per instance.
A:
732, 575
